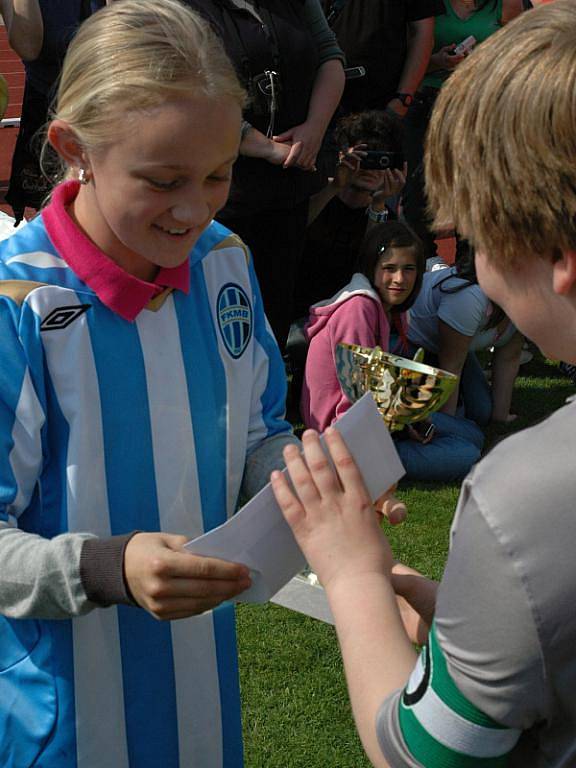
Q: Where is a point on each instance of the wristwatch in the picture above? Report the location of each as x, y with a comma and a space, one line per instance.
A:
378, 217
404, 98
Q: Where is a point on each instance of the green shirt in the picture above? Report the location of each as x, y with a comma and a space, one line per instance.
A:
450, 28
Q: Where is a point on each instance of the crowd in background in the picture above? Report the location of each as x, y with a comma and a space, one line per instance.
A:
340, 94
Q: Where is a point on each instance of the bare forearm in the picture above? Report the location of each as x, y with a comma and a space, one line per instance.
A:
504, 371
25, 27
454, 365
420, 44
511, 9
452, 352
326, 94
378, 655
416, 600
255, 144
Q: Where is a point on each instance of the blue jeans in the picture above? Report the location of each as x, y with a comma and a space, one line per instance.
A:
449, 456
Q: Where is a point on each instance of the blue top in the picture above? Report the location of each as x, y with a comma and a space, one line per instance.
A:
109, 426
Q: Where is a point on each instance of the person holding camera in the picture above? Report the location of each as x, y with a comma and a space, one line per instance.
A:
369, 175
289, 62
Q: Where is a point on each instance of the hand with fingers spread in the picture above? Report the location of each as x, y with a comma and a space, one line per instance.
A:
330, 512
171, 583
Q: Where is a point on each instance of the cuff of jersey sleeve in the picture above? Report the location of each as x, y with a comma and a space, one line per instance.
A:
102, 570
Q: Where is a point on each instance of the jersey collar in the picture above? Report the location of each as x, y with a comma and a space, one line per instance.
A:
121, 292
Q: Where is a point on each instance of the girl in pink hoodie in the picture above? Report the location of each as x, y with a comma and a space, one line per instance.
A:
369, 311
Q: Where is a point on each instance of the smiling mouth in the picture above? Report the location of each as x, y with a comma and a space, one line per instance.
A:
173, 231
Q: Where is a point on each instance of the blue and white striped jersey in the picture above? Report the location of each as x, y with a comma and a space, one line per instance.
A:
108, 426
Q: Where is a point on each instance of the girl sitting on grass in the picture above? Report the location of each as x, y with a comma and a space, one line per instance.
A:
372, 311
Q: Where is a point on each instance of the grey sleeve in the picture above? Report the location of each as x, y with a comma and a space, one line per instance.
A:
485, 619
263, 460
389, 734
59, 578
324, 37
486, 630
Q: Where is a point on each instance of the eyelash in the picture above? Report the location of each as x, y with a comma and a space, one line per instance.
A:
174, 184
162, 185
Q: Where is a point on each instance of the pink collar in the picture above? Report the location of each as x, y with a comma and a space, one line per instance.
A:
121, 292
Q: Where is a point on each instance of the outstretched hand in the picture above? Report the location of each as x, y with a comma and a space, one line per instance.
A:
330, 511
171, 583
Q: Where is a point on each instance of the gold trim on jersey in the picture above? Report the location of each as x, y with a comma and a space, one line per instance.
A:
18, 290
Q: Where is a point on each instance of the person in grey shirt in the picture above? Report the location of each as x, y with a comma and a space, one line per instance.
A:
494, 685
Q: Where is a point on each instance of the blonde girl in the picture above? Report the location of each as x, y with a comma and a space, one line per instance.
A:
139, 387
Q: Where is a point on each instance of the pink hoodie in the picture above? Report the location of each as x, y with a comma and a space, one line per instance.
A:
355, 315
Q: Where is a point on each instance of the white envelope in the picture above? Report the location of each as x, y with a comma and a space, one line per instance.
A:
259, 537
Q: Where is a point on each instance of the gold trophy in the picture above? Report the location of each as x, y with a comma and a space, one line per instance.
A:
404, 390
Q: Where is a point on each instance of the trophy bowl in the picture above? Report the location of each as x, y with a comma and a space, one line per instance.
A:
404, 390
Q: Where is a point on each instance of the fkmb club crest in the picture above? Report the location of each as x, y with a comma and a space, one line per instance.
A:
234, 318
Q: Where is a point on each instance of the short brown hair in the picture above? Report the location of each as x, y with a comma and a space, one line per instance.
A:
501, 147
374, 127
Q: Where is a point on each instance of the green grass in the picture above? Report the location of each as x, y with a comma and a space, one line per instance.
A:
295, 706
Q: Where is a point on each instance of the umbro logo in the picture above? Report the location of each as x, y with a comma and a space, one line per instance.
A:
61, 317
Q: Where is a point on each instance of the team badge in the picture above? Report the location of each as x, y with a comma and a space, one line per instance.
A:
419, 679
61, 317
235, 318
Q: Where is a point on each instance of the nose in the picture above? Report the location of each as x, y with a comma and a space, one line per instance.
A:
192, 210
182, 213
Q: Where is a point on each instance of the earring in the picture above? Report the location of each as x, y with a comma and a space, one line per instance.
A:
82, 176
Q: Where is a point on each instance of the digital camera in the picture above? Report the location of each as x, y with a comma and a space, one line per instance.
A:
381, 160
